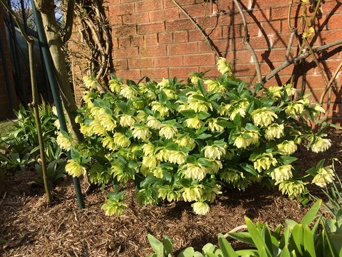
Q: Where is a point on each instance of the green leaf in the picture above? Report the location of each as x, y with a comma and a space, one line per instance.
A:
226, 247
297, 238
204, 136
257, 238
309, 245
208, 248
285, 252
311, 214
162, 97
189, 113
203, 115
201, 88
188, 252
243, 237
156, 245
168, 247
283, 160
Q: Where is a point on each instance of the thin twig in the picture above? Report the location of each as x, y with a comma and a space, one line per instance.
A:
199, 28
247, 43
3, 198
241, 227
330, 83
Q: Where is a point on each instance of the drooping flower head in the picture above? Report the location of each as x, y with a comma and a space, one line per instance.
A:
263, 116
222, 66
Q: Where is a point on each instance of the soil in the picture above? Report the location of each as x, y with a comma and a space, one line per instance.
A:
29, 227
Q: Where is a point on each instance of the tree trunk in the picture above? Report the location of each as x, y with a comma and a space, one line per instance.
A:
53, 36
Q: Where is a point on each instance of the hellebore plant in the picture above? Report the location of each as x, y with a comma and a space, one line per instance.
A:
184, 141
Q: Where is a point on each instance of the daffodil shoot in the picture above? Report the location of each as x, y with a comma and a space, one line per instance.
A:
185, 141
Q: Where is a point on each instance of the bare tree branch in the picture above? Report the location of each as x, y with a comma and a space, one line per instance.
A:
248, 45
66, 31
300, 57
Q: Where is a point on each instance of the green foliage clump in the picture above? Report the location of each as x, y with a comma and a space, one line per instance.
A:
21, 148
185, 141
296, 239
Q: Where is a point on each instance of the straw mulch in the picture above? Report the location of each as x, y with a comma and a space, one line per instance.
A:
28, 227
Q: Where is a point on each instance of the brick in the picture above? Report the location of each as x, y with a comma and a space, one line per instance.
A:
178, 25
164, 38
211, 71
124, 30
115, 20
148, 5
334, 21
182, 72
120, 64
204, 47
207, 22
170, 61
200, 59
124, 42
257, 15
137, 41
331, 7
169, 4
195, 35
139, 63
150, 51
155, 73
133, 18
129, 74
281, 11
182, 48
124, 52
330, 36
151, 28
180, 36
215, 33
164, 14
150, 39
196, 10
122, 9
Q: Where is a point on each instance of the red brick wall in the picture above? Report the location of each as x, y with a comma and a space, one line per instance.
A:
154, 38
5, 104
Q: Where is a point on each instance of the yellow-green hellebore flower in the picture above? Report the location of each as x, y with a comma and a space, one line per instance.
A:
128, 92
264, 162
287, 147
121, 140
200, 208
263, 117
141, 132
75, 169
222, 66
324, 176
282, 173
168, 131
274, 131
214, 152
320, 145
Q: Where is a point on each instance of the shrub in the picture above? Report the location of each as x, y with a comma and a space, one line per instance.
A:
184, 141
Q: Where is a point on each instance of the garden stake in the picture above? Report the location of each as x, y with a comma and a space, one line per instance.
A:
34, 104
54, 90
